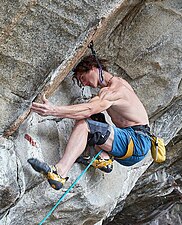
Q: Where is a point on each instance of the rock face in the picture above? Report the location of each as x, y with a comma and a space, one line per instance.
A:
40, 43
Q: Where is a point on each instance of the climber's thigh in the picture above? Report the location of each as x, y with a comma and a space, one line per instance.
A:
100, 134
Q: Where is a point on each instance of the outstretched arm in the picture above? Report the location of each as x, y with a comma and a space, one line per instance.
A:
79, 111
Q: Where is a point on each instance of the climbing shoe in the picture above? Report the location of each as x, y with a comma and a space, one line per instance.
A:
106, 165
50, 172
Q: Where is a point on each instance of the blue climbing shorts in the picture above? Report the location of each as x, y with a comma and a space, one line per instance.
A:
99, 133
142, 144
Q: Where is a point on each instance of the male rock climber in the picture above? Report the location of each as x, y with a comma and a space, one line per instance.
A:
130, 129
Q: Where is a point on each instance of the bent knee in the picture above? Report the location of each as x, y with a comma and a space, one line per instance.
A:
99, 132
82, 124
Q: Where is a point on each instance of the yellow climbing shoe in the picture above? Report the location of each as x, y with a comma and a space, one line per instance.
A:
106, 165
50, 172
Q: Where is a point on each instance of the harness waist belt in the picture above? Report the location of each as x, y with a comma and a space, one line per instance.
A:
142, 128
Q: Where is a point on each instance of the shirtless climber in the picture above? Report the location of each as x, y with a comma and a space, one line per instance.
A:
116, 96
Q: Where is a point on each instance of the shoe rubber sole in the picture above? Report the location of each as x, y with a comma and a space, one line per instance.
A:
55, 180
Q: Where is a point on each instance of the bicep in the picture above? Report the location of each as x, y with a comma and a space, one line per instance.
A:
110, 95
107, 94
100, 104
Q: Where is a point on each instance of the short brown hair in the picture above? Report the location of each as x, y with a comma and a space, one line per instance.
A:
87, 63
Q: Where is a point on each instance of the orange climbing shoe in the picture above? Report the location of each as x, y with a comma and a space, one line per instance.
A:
50, 172
106, 165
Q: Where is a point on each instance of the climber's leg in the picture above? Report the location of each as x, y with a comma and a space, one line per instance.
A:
100, 136
75, 147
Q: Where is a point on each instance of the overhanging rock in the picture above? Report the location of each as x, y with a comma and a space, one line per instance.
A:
42, 38
40, 43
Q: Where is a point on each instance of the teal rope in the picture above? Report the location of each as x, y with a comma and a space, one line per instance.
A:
69, 189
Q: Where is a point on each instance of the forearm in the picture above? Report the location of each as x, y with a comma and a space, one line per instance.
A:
79, 111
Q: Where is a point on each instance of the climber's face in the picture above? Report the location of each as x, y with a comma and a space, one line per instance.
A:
89, 78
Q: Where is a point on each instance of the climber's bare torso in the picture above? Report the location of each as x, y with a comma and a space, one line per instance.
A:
126, 108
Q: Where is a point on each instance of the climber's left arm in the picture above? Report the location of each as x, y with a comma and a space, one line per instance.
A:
79, 111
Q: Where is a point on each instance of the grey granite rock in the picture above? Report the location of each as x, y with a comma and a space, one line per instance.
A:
40, 42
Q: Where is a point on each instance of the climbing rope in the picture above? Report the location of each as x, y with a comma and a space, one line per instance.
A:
69, 189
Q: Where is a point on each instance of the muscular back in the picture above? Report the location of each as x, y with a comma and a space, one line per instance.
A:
126, 109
